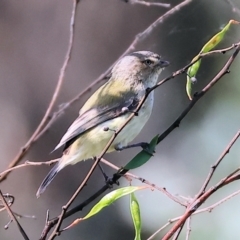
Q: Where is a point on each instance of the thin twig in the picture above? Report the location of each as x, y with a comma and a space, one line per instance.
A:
50, 224
13, 216
45, 119
207, 209
214, 167
221, 51
196, 204
143, 180
149, 4
163, 227
188, 228
177, 233
210, 208
28, 163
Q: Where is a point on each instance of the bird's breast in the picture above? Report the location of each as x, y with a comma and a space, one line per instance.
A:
133, 128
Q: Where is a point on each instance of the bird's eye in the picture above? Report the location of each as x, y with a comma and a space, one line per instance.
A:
148, 62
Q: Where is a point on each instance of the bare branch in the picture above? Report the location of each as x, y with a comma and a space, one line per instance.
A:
149, 4
213, 168
196, 204
143, 180
188, 228
13, 216
46, 117
207, 209
177, 233
210, 208
27, 163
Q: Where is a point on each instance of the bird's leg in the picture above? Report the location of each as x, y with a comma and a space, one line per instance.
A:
143, 145
107, 179
101, 169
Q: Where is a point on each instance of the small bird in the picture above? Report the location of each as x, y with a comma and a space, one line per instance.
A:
108, 108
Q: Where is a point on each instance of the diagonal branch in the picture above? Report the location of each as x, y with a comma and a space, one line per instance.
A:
45, 118
196, 204
214, 167
2, 198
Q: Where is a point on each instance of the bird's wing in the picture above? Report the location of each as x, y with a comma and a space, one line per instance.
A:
95, 116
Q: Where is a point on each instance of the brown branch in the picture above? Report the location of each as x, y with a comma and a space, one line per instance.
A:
13, 216
149, 4
28, 163
214, 167
210, 208
222, 51
50, 224
143, 180
177, 233
196, 204
45, 119
188, 228
207, 209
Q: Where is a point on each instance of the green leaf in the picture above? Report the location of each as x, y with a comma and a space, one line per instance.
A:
112, 197
191, 73
106, 201
143, 156
136, 216
212, 43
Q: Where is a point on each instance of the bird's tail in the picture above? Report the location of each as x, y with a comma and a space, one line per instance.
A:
48, 179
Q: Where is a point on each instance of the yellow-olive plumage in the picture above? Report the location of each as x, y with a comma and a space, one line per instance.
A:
109, 107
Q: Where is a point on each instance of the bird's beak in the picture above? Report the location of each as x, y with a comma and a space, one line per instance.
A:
163, 63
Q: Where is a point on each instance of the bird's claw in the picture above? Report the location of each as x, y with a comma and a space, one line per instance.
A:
146, 147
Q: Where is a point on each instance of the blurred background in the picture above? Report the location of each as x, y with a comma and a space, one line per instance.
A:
33, 42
